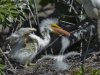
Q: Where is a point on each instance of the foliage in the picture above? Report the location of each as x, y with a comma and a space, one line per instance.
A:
1, 69
8, 12
19, 10
87, 70
15, 10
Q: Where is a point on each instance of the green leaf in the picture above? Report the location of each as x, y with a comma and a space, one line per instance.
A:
2, 67
2, 17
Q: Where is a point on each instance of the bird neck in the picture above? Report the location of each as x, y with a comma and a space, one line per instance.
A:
46, 36
46, 39
42, 42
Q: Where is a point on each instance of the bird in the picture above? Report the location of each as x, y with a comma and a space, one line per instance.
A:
18, 42
59, 62
26, 44
83, 31
92, 9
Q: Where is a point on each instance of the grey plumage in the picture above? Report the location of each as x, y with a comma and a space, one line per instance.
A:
26, 44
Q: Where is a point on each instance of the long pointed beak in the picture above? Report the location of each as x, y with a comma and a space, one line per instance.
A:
58, 30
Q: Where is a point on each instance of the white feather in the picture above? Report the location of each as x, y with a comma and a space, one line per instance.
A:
22, 55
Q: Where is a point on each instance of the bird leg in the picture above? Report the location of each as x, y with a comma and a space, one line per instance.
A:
31, 64
28, 64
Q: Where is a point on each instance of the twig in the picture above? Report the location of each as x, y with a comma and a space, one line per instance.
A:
82, 66
87, 46
31, 13
67, 22
53, 42
9, 47
6, 58
30, 20
36, 11
50, 44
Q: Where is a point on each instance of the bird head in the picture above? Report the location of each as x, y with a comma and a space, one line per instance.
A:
51, 25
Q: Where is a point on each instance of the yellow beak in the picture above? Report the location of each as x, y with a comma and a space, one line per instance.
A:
58, 30
56, 26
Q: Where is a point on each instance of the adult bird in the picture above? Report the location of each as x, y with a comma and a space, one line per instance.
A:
26, 45
92, 9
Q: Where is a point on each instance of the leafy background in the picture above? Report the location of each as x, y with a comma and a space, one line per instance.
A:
15, 14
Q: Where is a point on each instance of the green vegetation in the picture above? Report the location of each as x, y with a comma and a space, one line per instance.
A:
1, 69
14, 11
19, 11
8, 12
87, 70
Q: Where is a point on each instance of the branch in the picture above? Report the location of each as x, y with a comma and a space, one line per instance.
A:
6, 58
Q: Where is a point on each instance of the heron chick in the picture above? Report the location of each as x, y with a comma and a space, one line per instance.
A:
26, 45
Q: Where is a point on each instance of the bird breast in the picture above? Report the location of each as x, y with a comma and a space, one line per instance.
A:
26, 52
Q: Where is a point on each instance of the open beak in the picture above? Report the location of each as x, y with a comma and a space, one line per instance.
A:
58, 30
